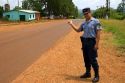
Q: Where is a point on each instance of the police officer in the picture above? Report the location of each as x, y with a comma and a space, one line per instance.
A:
90, 43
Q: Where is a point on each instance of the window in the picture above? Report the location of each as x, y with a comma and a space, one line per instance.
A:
33, 15
30, 16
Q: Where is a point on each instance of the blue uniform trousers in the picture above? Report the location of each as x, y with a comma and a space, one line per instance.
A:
90, 54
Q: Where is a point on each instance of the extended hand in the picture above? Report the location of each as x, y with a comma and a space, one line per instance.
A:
70, 22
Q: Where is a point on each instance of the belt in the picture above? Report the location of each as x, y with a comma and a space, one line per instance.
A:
87, 38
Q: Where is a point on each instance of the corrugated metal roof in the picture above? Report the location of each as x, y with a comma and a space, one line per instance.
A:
29, 11
26, 11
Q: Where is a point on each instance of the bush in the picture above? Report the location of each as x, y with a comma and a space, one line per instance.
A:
114, 14
5, 18
118, 16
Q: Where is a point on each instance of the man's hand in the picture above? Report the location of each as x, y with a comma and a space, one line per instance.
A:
70, 22
73, 26
96, 47
97, 40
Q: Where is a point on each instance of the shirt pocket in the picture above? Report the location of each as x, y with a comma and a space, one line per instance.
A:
91, 26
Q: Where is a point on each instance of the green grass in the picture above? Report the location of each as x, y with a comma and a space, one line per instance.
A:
117, 27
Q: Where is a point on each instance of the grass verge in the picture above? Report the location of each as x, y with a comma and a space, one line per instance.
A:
117, 28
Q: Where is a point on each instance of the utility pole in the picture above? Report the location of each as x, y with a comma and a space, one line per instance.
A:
107, 9
18, 3
7, 1
123, 2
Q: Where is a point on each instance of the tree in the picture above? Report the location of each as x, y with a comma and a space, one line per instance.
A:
32, 5
25, 4
58, 8
1, 11
17, 8
114, 14
64, 8
35, 5
121, 8
100, 12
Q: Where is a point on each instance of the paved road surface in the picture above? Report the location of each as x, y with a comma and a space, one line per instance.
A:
21, 45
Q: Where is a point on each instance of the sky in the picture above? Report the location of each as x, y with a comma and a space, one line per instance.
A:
93, 4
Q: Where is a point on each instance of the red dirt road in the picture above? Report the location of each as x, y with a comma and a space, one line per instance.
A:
63, 63
21, 45
23, 60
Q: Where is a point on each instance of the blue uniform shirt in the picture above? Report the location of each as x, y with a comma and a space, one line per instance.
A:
90, 28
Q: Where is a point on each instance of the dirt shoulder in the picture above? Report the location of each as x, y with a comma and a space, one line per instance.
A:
63, 63
23, 25
9, 23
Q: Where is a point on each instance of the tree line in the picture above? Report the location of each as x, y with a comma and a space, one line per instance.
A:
118, 13
57, 8
60, 8
67, 9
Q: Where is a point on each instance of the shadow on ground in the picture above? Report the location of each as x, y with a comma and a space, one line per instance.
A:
76, 78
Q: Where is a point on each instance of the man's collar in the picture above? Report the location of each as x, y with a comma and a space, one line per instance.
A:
92, 18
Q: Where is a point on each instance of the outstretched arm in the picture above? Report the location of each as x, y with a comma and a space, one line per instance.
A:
74, 26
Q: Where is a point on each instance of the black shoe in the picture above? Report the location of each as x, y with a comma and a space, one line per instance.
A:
95, 79
86, 75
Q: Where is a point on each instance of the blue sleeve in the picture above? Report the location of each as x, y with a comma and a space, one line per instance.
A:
81, 28
98, 25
